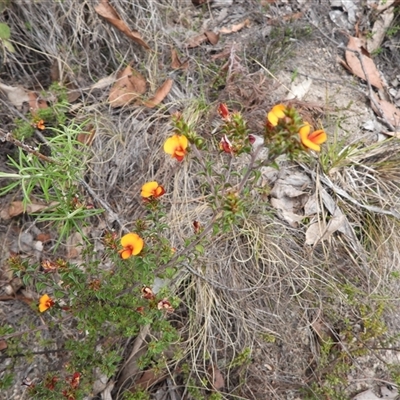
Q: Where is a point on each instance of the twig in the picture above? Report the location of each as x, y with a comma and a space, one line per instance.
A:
113, 216
3, 357
8, 137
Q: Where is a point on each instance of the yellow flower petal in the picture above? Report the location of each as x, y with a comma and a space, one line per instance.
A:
149, 188
176, 146
279, 110
170, 144
276, 113
132, 244
45, 302
304, 131
183, 141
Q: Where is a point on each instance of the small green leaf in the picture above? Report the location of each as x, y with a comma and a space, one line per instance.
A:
9, 46
199, 248
170, 272
5, 32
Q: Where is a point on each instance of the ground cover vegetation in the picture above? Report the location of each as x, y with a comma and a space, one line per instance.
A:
174, 224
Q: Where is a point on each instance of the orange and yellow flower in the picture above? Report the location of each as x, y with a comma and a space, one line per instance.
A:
312, 140
176, 146
45, 302
277, 113
132, 245
152, 189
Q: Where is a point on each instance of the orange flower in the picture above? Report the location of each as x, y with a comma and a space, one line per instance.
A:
225, 145
276, 114
132, 245
224, 112
176, 145
45, 302
152, 189
312, 140
40, 125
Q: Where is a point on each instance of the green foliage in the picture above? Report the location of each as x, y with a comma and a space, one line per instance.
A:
5, 35
53, 116
56, 179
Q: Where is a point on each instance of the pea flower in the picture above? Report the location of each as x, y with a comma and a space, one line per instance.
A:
276, 114
225, 145
224, 112
147, 293
152, 189
164, 304
45, 302
176, 146
312, 140
132, 245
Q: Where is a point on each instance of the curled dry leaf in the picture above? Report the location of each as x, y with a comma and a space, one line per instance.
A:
128, 87
355, 52
148, 379
195, 41
218, 379
234, 28
299, 90
176, 63
389, 112
87, 136
212, 37
17, 207
74, 246
319, 231
160, 94
18, 96
104, 82
110, 15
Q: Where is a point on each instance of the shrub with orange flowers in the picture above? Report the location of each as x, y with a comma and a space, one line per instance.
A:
118, 298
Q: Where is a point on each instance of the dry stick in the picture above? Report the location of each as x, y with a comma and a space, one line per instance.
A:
114, 216
8, 137
39, 328
3, 357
